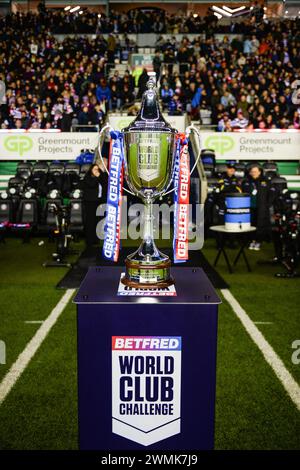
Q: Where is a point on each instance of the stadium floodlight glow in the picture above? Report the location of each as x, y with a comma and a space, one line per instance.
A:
53, 194
4, 195
81, 11
218, 15
99, 15
75, 9
195, 15
221, 11
233, 10
67, 8
286, 12
76, 194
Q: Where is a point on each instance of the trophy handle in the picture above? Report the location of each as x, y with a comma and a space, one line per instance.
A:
188, 130
101, 138
104, 129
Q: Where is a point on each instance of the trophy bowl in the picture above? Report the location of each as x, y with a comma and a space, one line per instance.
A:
149, 161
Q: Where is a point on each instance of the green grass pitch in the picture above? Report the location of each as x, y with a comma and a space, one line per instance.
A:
253, 411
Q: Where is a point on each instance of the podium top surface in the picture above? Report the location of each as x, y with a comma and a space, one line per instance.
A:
100, 286
223, 229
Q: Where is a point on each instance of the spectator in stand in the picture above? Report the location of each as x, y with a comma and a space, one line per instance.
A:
115, 98
103, 92
248, 46
126, 96
227, 99
224, 124
111, 48
166, 94
296, 120
243, 105
84, 119
175, 106
169, 59
240, 122
115, 80
254, 44
142, 83
157, 64
127, 80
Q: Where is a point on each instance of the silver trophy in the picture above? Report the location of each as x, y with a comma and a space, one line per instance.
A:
149, 148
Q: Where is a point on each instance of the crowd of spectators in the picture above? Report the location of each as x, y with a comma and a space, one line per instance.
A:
246, 83
52, 83
59, 84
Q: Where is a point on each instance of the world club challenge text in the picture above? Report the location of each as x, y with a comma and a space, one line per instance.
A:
147, 375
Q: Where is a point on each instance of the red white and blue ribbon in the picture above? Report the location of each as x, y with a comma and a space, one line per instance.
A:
111, 245
181, 200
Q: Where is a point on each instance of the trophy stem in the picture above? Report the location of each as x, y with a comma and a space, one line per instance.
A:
148, 267
148, 239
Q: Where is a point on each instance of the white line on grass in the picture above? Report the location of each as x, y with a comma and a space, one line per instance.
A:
33, 321
286, 379
31, 348
263, 322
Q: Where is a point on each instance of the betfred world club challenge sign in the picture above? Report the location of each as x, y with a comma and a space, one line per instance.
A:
146, 387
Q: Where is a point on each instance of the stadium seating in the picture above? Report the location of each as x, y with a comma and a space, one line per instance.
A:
76, 213
26, 217
240, 170
270, 170
72, 177
220, 169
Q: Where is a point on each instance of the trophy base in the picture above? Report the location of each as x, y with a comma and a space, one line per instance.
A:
147, 276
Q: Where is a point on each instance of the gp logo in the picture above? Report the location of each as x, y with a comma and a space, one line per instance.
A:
219, 143
18, 144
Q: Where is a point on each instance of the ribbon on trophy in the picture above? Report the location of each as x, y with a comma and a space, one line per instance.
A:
111, 244
181, 199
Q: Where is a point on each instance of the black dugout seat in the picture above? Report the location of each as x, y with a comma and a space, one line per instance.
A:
270, 170
38, 178
55, 176
72, 177
27, 216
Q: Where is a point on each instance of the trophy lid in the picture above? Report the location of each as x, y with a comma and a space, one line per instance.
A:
150, 117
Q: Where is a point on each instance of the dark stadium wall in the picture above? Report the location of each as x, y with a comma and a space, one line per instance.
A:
172, 8
187, 7
274, 8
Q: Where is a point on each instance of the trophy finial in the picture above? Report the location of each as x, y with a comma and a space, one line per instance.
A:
152, 80
150, 84
150, 116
